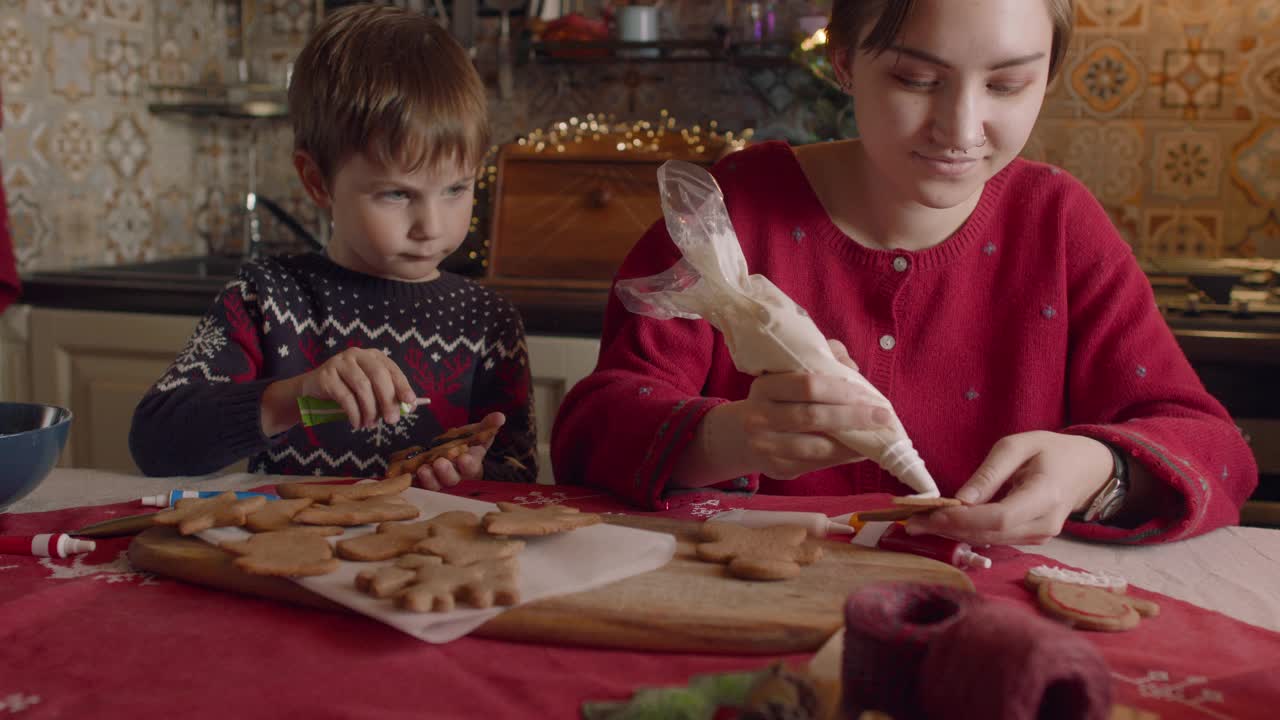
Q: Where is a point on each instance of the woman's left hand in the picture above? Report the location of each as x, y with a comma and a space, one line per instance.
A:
1049, 476
469, 465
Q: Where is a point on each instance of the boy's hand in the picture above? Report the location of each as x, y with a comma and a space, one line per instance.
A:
469, 465
1049, 475
367, 384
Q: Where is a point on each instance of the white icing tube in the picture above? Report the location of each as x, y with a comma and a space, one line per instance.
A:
764, 329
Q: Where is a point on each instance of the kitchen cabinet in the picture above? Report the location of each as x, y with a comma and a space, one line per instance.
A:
99, 364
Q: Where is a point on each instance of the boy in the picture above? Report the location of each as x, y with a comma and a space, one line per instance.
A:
390, 129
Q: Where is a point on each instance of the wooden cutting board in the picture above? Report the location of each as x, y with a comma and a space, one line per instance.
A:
685, 606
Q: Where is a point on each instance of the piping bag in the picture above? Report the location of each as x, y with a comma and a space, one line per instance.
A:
764, 329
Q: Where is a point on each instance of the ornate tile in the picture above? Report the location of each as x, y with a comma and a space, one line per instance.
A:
31, 229
1113, 16
120, 64
1107, 78
1262, 79
1261, 239
131, 12
17, 56
70, 63
77, 226
78, 10
1108, 157
173, 223
1255, 164
1182, 232
71, 145
126, 146
127, 224
1192, 78
1187, 164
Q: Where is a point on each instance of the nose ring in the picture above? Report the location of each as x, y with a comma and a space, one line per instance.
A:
984, 141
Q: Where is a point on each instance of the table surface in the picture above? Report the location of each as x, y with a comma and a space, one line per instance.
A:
89, 637
1234, 570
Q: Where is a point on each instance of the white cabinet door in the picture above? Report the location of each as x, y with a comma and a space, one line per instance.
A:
99, 364
557, 364
15, 354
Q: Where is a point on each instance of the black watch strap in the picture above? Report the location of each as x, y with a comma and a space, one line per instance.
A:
1110, 498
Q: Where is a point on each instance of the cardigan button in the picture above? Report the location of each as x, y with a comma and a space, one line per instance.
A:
887, 342
901, 264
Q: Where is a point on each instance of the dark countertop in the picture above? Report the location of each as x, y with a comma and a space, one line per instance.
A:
546, 310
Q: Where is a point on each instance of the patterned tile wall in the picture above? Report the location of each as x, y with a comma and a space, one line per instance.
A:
1168, 109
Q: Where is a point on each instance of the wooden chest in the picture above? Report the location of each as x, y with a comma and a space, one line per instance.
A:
566, 218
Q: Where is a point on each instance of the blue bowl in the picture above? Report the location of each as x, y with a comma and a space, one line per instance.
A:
31, 438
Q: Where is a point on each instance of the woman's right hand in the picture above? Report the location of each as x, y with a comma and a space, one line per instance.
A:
782, 428
366, 384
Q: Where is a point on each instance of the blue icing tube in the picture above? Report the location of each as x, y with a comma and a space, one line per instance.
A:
172, 497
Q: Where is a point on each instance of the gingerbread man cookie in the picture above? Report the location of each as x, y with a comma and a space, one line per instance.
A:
296, 552
772, 553
448, 445
905, 507
1045, 573
513, 519
276, 515
392, 485
397, 538
386, 581
467, 545
483, 584
347, 513
1093, 608
195, 514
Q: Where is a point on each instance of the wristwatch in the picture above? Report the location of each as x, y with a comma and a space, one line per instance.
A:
1110, 498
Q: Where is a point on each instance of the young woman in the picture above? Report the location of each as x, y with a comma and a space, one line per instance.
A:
988, 297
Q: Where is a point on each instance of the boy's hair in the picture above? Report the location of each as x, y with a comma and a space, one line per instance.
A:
849, 17
390, 83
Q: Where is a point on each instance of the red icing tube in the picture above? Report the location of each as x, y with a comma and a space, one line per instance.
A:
45, 545
952, 552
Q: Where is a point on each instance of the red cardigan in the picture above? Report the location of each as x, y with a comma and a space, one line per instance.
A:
1033, 316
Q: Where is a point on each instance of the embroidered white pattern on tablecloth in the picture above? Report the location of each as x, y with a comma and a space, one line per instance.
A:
116, 571
17, 702
1156, 684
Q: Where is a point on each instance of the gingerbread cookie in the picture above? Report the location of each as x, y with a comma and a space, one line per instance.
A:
1093, 608
905, 507
772, 553
392, 485
296, 552
1044, 573
195, 514
275, 515
386, 581
467, 545
397, 538
513, 519
449, 445
347, 513
483, 584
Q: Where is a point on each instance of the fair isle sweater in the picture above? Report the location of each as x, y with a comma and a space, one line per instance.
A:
1033, 316
461, 346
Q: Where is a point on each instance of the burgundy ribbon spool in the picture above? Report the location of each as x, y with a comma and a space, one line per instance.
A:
888, 631
1002, 662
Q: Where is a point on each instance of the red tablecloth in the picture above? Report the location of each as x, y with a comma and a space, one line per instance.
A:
87, 637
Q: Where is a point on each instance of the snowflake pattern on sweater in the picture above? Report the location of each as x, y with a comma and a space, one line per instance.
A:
461, 345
